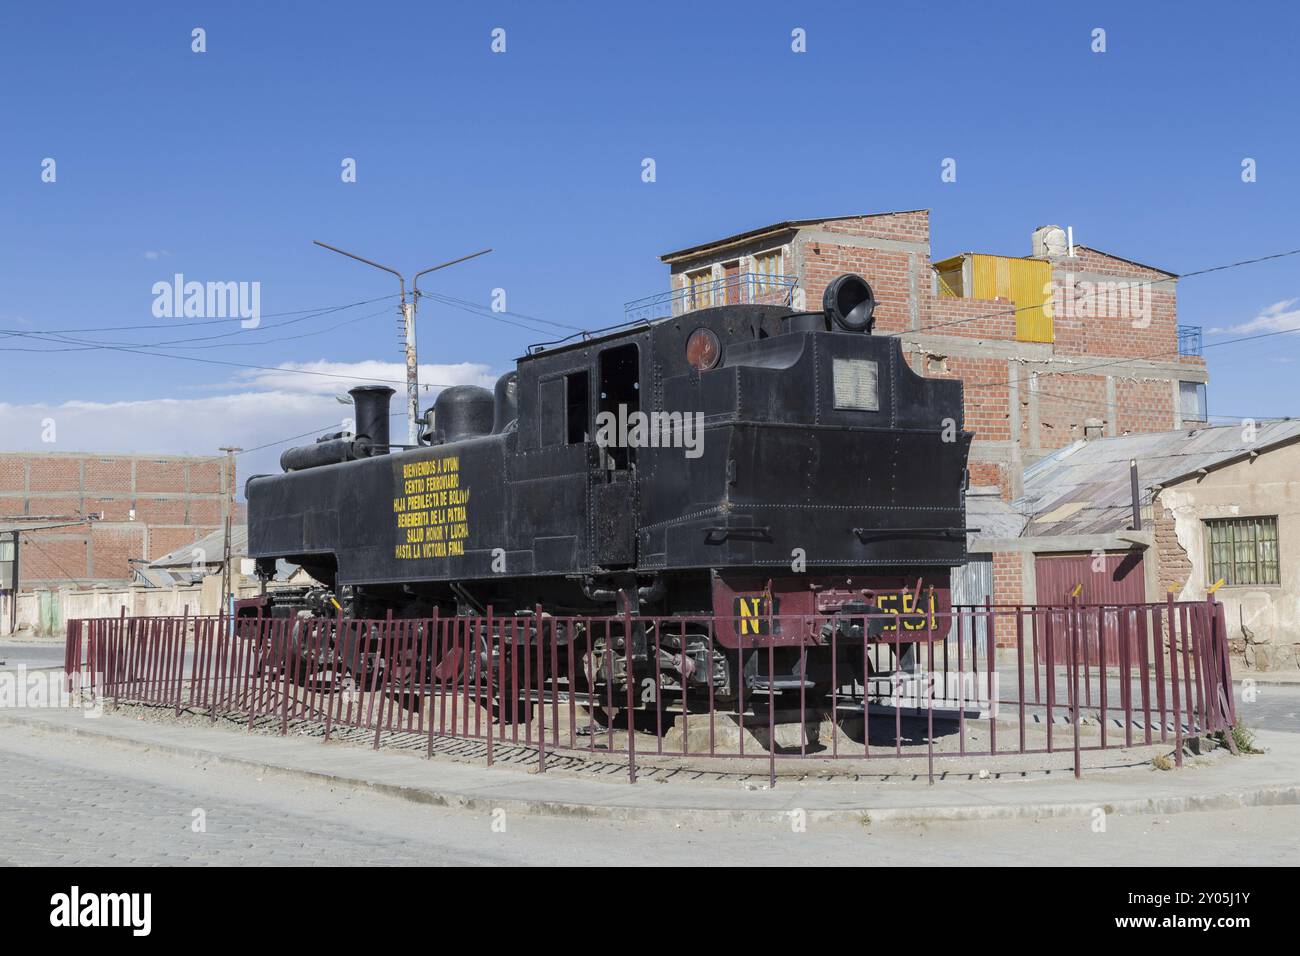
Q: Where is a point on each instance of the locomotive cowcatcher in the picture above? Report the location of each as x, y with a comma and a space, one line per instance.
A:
743, 464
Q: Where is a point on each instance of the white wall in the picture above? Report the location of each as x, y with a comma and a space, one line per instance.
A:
1266, 485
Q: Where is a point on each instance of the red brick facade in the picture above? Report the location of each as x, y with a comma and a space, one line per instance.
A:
150, 506
1006, 590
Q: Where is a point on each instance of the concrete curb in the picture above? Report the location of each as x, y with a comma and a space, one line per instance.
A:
1231, 798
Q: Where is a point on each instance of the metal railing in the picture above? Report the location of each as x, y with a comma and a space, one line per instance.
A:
1189, 340
1071, 677
748, 288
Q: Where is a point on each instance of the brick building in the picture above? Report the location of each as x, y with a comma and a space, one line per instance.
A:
1065, 344
143, 506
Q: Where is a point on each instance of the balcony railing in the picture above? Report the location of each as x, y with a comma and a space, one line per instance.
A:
749, 288
1189, 340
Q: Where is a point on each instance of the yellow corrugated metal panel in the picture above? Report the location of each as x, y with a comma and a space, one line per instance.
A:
1026, 282
1031, 291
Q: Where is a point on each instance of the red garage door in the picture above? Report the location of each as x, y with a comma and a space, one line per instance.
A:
1113, 578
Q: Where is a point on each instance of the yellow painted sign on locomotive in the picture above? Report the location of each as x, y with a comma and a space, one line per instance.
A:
430, 509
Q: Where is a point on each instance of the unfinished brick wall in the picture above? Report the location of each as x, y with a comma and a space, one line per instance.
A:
893, 272
971, 318
150, 506
1006, 591
910, 226
1065, 403
51, 557
1143, 405
1174, 567
113, 546
984, 398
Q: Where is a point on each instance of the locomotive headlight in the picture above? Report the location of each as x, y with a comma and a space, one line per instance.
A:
703, 349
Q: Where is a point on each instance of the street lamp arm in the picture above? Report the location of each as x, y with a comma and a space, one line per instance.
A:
415, 282
352, 255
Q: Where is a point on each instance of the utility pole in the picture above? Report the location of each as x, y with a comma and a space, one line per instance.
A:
228, 507
408, 322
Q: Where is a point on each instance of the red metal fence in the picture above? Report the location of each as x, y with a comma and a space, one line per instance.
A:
839, 686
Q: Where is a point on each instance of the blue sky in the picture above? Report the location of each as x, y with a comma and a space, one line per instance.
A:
225, 165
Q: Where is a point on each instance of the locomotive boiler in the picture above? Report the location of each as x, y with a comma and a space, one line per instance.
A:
738, 464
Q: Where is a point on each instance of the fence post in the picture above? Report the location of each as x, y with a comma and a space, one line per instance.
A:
489, 692
1075, 618
631, 701
771, 695
290, 636
180, 657
541, 684
1173, 680
433, 682
989, 629
1020, 670
1219, 632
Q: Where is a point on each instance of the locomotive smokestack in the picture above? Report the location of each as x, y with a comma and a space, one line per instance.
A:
371, 405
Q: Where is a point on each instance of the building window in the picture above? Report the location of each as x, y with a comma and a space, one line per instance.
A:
1242, 550
699, 289
1191, 402
767, 269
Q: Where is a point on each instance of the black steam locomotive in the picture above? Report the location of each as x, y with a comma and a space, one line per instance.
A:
733, 462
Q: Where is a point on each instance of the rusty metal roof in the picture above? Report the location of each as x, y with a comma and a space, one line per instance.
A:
1084, 487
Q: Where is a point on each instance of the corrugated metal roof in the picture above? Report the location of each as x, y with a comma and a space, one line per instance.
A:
986, 510
179, 563
1084, 488
211, 545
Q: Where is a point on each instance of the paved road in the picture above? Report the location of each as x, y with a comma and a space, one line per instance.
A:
65, 801
1274, 707
31, 654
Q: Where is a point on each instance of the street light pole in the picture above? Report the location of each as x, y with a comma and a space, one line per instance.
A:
408, 322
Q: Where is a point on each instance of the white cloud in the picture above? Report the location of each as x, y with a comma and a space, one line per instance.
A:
335, 378
156, 254
260, 408
1278, 317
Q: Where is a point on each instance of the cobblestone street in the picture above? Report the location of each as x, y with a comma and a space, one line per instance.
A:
70, 801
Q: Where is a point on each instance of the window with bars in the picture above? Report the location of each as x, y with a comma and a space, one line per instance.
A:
1242, 550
